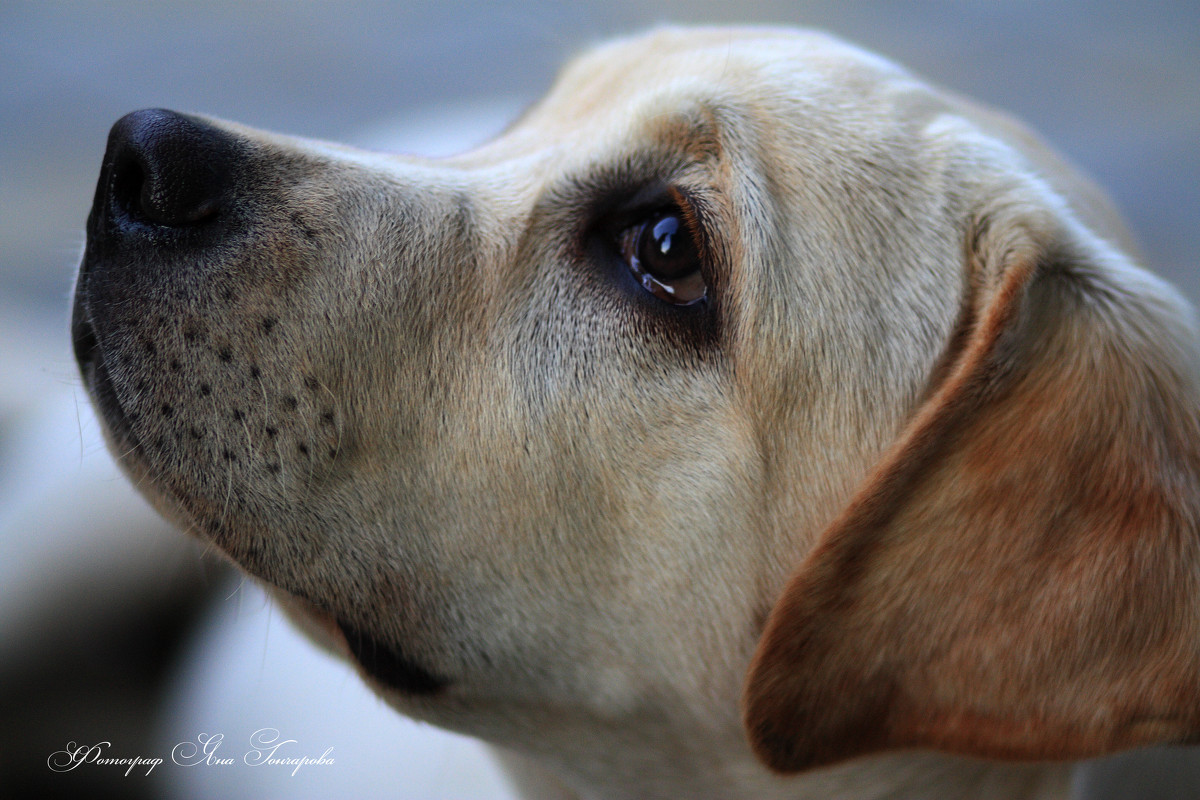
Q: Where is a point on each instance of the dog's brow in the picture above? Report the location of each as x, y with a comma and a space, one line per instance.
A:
695, 131
606, 184
673, 142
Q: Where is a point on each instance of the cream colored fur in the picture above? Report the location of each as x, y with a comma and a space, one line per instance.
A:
580, 508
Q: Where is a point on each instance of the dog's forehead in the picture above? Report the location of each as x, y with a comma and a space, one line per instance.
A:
741, 59
618, 90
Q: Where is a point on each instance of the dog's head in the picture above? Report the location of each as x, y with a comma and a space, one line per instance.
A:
735, 331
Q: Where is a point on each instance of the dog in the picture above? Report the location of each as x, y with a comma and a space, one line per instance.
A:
750, 419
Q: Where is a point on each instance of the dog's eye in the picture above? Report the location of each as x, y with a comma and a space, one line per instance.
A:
663, 255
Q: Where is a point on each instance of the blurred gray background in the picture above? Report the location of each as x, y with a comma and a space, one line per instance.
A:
95, 599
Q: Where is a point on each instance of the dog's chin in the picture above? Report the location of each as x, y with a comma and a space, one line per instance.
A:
384, 664
118, 429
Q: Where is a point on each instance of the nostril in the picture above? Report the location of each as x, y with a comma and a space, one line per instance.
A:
169, 169
128, 181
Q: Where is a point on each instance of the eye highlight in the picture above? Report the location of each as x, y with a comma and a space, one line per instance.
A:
662, 252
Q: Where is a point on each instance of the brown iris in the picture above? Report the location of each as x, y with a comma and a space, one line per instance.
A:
663, 255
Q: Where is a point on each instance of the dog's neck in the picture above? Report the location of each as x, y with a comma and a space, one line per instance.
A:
708, 764
929, 776
895, 777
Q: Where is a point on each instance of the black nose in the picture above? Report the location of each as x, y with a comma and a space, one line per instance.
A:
167, 169
167, 193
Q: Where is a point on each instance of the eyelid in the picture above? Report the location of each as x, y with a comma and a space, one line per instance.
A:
693, 219
660, 198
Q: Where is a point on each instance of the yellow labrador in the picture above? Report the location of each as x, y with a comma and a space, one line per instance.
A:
749, 420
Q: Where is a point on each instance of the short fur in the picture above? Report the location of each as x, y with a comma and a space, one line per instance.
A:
918, 484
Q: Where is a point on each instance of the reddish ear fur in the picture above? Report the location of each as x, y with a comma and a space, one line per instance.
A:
1018, 578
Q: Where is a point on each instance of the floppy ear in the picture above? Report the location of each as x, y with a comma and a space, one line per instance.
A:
1018, 577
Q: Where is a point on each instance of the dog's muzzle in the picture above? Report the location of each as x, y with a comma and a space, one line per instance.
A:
177, 327
162, 196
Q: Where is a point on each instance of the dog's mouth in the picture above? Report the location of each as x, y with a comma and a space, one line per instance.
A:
385, 663
382, 662
388, 665
97, 380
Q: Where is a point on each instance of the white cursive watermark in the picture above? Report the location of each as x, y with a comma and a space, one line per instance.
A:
201, 751
76, 754
267, 748
266, 745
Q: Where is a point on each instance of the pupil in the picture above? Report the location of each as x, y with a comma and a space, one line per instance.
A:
666, 249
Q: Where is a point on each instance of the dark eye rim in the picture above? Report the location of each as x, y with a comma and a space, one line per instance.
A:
611, 206
625, 234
